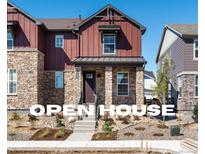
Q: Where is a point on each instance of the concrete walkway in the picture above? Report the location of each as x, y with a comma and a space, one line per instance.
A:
165, 145
83, 129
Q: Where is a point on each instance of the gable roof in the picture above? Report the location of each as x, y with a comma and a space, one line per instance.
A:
184, 30
23, 12
181, 30
73, 23
109, 6
149, 74
60, 23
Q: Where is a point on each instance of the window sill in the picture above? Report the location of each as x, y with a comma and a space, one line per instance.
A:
123, 95
14, 94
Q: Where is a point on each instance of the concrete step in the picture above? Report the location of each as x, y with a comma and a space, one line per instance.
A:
84, 125
83, 131
89, 118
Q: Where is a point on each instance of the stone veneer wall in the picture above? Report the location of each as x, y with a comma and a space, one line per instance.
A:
100, 85
188, 100
29, 66
108, 85
139, 85
70, 94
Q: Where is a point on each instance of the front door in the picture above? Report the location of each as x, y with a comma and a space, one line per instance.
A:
89, 87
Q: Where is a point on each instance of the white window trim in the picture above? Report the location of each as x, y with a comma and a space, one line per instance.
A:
124, 83
110, 43
56, 82
8, 70
11, 40
194, 58
196, 86
56, 37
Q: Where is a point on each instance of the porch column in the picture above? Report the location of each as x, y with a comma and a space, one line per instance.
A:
78, 78
139, 85
108, 85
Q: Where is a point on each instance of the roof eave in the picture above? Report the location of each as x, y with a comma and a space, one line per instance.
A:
25, 13
136, 23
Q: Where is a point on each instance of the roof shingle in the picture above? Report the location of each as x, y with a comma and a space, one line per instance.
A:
63, 23
185, 29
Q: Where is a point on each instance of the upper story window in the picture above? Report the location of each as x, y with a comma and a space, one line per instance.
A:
122, 84
196, 49
59, 41
10, 40
109, 44
59, 79
11, 81
196, 86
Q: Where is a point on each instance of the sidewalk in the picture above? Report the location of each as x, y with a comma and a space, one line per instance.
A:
165, 145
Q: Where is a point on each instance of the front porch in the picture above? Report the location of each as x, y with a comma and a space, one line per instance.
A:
116, 83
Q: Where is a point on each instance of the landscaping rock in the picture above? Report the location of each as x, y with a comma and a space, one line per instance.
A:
71, 119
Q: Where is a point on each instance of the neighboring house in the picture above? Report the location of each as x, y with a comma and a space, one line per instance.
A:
149, 84
70, 61
180, 42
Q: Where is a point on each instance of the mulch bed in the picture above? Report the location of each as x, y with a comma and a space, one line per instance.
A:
104, 136
49, 134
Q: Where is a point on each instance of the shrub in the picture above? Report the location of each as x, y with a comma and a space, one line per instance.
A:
110, 120
60, 133
136, 118
45, 133
32, 117
140, 128
158, 134
106, 116
162, 126
129, 134
59, 115
59, 122
107, 127
16, 117
195, 113
175, 130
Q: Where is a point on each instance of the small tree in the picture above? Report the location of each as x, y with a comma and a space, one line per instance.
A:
195, 113
162, 81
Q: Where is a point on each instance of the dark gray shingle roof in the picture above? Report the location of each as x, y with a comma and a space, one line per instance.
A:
150, 74
109, 60
185, 29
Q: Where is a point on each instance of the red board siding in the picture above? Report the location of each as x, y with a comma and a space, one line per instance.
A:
28, 34
26, 30
57, 58
128, 39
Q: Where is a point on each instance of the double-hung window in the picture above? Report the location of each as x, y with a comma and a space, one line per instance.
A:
180, 86
196, 86
11, 81
109, 44
195, 49
10, 40
59, 41
59, 79
122, 84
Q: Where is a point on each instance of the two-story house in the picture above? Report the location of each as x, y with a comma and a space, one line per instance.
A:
70, 61
149, 85
180, 42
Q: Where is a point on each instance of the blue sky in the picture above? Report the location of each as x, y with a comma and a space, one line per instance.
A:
153, 14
